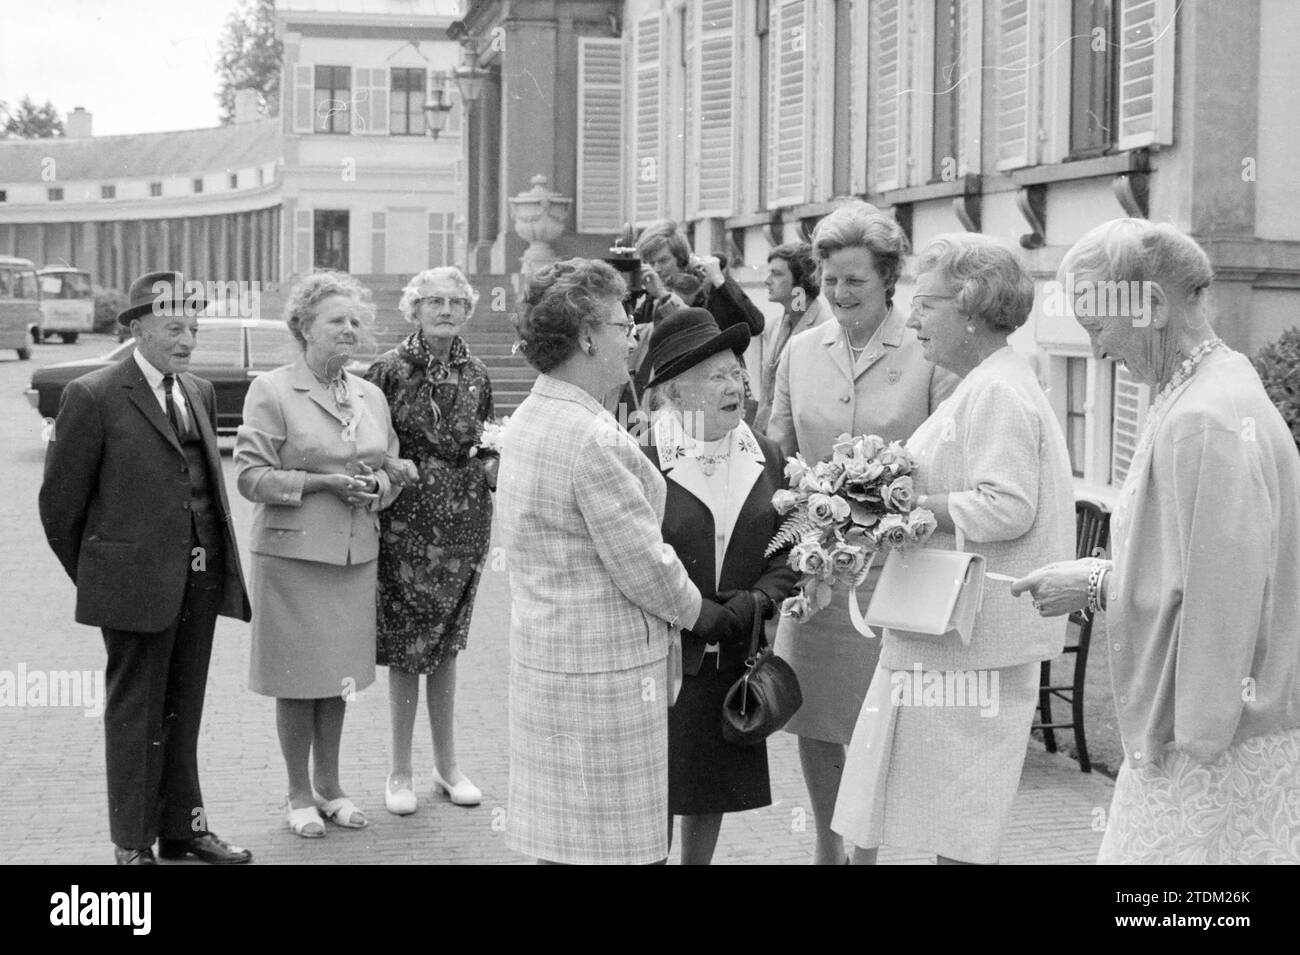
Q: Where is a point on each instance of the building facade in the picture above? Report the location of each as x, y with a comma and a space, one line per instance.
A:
1029, 120
346, 177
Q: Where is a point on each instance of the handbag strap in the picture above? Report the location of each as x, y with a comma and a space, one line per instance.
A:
757, 630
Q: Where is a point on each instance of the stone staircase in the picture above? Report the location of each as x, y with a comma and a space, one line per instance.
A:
490, 334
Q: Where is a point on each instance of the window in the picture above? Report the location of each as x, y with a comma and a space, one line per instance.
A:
155, 188
330, 240
198, 185
1092, 85
442, 239
54, 193
233, 180
1076, 399
108, 192
947, 78
406, 104
333, 99
4, 196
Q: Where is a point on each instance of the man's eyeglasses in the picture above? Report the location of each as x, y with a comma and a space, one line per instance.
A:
439, 302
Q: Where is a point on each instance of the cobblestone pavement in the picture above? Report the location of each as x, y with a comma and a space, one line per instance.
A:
52, 804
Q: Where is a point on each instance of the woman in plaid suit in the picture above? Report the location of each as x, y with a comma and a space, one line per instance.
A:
597, 594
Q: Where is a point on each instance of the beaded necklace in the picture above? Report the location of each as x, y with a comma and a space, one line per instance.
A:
1179, 378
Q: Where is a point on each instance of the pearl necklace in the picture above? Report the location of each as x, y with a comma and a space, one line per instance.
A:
1179, 378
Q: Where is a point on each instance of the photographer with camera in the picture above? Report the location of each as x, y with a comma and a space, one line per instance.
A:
674, 278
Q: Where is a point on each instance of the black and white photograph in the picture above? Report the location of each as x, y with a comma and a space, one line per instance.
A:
408, 406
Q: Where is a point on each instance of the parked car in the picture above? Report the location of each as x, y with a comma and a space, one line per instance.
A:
67, 303
230, 353
20, 304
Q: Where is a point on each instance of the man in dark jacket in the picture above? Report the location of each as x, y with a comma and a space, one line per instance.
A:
134, 506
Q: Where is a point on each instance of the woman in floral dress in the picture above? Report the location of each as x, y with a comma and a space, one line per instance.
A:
434, 540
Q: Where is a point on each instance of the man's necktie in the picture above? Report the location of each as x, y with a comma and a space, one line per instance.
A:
173, 415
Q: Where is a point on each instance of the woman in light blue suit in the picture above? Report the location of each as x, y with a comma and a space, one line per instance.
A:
311, 454
863, 373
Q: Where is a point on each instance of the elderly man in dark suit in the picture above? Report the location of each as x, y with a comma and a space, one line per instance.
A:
134, 507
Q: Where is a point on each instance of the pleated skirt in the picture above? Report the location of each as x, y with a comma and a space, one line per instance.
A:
937, 774
589, 765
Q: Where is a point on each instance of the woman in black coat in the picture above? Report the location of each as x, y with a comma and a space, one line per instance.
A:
719, 518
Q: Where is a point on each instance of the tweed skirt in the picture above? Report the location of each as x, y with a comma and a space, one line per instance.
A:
1243, 809
589, 765
834, 664
935, 761
313, 630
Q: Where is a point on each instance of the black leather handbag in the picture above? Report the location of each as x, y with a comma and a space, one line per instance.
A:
764, 699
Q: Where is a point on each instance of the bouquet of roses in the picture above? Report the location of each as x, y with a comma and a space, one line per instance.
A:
492, 438
842, 512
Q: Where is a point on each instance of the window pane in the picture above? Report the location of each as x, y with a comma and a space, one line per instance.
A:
1093, 62
271, 347
947, 75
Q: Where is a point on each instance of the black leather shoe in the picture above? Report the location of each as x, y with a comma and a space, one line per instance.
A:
208, 847
134, 856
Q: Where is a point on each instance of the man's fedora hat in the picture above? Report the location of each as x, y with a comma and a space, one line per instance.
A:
686, 338
159, 292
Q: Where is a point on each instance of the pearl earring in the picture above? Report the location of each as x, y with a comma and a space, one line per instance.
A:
970, 329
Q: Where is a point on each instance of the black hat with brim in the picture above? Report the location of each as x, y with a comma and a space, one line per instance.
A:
157, 293
687, 337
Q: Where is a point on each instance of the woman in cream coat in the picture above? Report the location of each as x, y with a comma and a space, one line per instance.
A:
863, 373
937, 769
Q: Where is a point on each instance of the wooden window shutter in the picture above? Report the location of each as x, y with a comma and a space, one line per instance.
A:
715, 112
304, 94
647, 157
1017, 78
1128, 409
886, 99
789, 179
600, 134
1145, 88
302, 239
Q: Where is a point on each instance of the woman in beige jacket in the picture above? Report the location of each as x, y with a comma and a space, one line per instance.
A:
311, 454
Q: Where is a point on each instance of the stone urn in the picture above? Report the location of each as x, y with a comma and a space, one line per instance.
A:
540, 218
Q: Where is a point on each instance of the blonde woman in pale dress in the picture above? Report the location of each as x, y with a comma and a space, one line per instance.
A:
1202, 596
938, 772
863, 373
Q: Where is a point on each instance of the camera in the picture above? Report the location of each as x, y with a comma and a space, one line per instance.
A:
628, 264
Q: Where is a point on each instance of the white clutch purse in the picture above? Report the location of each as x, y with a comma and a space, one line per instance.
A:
932, 593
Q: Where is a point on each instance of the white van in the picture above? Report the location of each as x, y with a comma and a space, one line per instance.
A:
67, 303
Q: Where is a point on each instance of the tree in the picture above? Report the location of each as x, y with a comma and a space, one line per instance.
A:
30, 121
249, 58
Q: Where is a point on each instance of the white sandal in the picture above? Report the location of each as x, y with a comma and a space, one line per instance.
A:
302, 821
343, 812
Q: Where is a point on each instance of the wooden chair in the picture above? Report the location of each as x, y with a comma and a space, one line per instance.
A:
1092, 536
